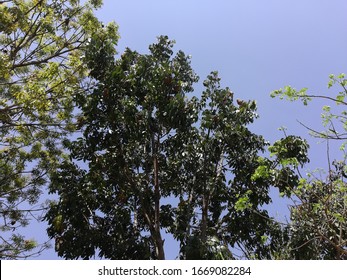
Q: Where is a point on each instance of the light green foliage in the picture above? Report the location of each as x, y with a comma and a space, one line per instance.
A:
317, 229
334, 121
292, 94
243, 202
280, 170
41, 70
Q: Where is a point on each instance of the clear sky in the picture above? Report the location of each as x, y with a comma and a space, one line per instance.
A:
256, 46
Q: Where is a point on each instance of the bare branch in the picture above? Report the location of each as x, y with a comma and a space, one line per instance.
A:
323, 135
326, 97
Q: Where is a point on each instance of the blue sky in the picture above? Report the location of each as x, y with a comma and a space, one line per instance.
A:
256, 46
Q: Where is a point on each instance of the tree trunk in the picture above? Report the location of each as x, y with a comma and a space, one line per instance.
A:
159, 242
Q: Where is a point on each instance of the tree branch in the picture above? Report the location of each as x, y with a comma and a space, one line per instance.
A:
326, 97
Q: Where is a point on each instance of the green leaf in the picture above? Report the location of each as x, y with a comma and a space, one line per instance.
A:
42, 46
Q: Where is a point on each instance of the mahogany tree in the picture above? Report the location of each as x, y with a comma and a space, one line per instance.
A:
153, 159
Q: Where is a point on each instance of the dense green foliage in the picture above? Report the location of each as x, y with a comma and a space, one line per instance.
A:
41, 69
131, 154
144, 141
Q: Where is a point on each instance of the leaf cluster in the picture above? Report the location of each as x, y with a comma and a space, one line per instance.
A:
317, 229
41, 69
145, 141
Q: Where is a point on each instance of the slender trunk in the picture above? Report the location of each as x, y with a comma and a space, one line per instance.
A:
205, 194
159, 242
147, 211
205, 202
136, 218
159, 246
189, 213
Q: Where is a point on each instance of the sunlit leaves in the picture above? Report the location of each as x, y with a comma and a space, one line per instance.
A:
41, 70
243, 202
292, 94
291, 150
317, 227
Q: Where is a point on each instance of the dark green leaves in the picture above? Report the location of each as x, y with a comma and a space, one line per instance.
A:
291, 150
144, 141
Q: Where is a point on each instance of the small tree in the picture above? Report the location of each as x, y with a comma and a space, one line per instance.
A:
318, 218
41, 69
144, 142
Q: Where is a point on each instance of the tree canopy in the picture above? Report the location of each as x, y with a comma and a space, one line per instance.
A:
318, 217
130, 152
145, 140
41, 69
